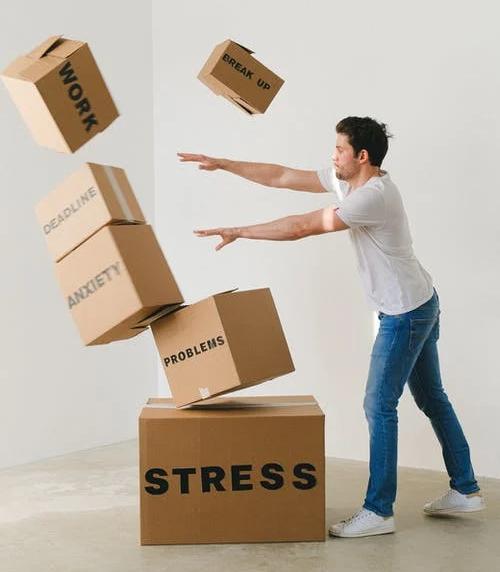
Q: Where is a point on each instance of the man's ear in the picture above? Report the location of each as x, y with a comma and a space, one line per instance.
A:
363, 156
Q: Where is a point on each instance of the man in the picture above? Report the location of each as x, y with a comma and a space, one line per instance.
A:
397, 286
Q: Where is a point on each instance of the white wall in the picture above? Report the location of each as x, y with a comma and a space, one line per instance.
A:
55, 394
430, 70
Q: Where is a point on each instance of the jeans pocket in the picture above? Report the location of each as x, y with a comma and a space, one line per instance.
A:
434, 335
420, 330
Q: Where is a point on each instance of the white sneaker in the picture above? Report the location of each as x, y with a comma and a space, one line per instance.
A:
454, 502
363, 523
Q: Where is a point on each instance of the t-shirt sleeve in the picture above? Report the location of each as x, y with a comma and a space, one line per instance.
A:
330, 182
363, 207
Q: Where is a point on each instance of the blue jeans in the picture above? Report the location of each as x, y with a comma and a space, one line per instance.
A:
405, 350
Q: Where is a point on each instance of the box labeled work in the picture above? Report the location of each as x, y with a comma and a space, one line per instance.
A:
61, 94
233, 470
232, 71
226, 342
115, 281
90, 198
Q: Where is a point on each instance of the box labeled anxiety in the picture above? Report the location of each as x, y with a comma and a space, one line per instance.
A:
115, 282
232, 71
61, 94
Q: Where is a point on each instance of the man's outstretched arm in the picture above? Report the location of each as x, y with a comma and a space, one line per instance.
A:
287, 228
265, 174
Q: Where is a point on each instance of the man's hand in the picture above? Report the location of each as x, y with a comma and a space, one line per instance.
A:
228, 235
205, 163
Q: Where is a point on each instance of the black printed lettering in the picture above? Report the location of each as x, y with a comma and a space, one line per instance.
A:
237, 477
212, 476
270, 471
303, 471
184, 478
154, 476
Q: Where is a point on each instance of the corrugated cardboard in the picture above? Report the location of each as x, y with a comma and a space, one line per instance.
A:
87, 200
226, 342
115, 281
231, 71
237, 470
61, 94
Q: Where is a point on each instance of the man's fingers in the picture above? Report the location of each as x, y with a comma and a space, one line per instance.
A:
222, 232
208, 232
190, 157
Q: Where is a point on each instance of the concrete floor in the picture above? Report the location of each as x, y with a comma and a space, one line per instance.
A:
79, 513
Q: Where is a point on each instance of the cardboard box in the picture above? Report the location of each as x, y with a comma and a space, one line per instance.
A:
237, 470
115, 281
231, 71
226, 342
87, 200
61, 94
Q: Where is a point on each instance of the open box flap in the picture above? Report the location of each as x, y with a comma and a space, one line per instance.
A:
170, 309
44, 47
225, 292
56, 46
243, 47
160, 313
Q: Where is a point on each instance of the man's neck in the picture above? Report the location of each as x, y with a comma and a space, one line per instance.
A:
364, 176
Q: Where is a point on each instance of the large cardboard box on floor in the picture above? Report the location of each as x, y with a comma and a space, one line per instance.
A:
226, 342
61, 94
232, 71
235, 470
115, 281
90, 198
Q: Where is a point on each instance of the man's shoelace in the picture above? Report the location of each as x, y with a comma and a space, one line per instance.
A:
360, 514
445, 496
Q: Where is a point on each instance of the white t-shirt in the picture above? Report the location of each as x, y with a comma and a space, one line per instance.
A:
393, 279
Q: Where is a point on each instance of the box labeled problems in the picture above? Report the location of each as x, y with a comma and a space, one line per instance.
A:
223, 343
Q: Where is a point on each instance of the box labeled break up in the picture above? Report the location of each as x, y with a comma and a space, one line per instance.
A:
90, 198
61, 94
232, 71
233, 470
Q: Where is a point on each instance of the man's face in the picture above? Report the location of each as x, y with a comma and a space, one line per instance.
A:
344, 160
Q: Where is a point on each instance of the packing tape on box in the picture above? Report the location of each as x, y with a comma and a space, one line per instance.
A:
234, 405
118, 192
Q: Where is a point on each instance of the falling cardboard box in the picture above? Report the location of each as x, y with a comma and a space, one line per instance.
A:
61, 94
224, 343
115, 282
235, 470
87, 200
231, 71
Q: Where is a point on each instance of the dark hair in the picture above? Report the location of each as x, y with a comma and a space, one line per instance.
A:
366, 133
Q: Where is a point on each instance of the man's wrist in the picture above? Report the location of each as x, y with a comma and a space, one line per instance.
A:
239, 231
223, 164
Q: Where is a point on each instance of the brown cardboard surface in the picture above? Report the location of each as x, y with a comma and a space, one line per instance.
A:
115, 279
90, 198
241, 470
223, 343
61, 94
232, 71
